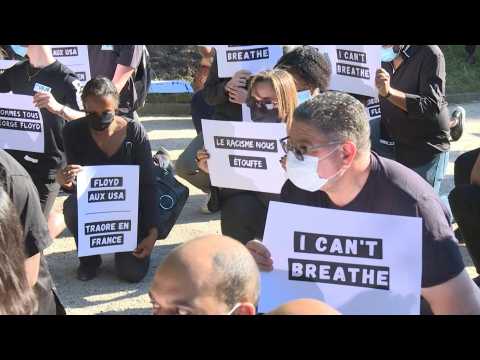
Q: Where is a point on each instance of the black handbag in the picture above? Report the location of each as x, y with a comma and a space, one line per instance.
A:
172, 195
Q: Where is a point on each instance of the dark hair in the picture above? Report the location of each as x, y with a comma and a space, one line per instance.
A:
237, 273
16, 295
99, 86
307, 62
338, 116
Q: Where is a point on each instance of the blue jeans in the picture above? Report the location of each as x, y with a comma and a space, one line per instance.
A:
434, 171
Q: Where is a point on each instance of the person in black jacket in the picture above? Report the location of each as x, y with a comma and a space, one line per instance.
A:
272, 97
101, 139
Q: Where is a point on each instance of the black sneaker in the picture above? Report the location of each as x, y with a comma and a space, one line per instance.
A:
458, 116
86, 273
214, 201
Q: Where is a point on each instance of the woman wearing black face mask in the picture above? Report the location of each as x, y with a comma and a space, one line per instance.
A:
104, 138
272, 97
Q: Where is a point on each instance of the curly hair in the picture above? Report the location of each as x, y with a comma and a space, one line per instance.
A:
307, 63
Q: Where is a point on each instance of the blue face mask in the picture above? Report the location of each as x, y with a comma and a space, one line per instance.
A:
303, 96
388, 54
19, 50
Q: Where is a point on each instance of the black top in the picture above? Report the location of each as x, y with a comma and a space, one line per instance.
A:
66, 89
393, 189
215, 95
19, 186
423, 131
103, 62
81, 149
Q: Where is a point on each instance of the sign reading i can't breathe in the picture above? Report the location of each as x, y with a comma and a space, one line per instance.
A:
76, 58
254, 58
245, 156
107, 209
21, 124
353, 67
359, 263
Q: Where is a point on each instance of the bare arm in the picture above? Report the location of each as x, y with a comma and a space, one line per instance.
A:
458, 296
32, 267
121, 76
475, 175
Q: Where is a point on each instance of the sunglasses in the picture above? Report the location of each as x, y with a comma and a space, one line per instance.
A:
299, 153
262, 104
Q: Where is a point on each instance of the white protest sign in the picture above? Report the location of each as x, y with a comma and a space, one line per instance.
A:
373, 108
244, 155
359, 263
353, 67
74, 57
254, 58
21, 124
6, 64
107, 209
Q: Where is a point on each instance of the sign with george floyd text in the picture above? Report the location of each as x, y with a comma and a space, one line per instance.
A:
254, 58
21, 124
245, 155
107, 209
353, 67
359, 263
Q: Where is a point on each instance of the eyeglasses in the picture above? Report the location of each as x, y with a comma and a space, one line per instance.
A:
262, 104
299, 153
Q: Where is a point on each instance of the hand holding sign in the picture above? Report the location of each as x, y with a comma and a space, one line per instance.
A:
238, 96
260, 253
382, 82
67, 175
238, 80
202, 157
47, 101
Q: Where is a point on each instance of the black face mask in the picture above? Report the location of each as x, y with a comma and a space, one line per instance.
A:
265, 116
100, 123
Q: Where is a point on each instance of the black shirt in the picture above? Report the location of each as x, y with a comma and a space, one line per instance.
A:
81, 149
393, 189
103, 62
19, 186
215, 95
423, 131
65, 87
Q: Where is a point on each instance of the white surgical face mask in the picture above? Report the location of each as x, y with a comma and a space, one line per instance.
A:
304, 175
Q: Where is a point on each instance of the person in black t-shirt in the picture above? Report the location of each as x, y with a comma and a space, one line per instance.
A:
17, 296
18, 184
330, 165
59, 105
119, 63
103, 138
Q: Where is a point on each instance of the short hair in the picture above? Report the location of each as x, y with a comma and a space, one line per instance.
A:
308, 63
16, 295
284, 86
338, 116
237, 275
99, 86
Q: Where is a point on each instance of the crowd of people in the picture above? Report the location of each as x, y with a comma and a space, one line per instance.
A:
335, 158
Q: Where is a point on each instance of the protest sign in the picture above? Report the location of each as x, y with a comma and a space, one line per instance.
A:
74, 57
359, 263
245, 155
353, 67
254, 58
373, 108
107, 209
6, 64
21, 124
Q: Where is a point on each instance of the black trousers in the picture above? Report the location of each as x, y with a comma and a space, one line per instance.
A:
470, 49
243, 216
200, 110
128, 267
48, 192
465, 204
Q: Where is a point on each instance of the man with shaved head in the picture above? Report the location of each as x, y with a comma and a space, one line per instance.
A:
304, 307
210, 275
